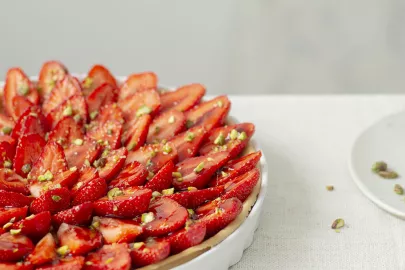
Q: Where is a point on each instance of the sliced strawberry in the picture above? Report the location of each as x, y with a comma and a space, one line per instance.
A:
234, 168
20, 105
97, 76
77, 155
111, 163
138, 82
53, 200
67, 263
17, 83
12, 214
149, 252
13, 199
166, 126
109, 257
197, 171
126, 203
117, 230
135, 132
6, 124
241, 186
77, 215
103, 95
75, 106
209, 114
66, 132
44, 251
7, 152
194, 198
86, 174
107, 134
51, 72
188, 142
217, 215
30, 122
14, 247
163, 178
185, 238
153, 156
10, 181
110, 112
184, 98
79, 240
16, 266
67, 178
89, 191
8, 139
64, 89
133, 174
28, 151
34, 226
140, 103
164, 216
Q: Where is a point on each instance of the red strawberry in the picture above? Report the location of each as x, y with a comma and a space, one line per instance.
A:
164, 216
194, 197
6, 124
17, 83
111, 162
12, 214
110, 112
68, 263
135, 132
126, 203
78, 154
89, 191
51, 72
64, 179
209, 114
153, 156
197, 171
150, 252
85, 175
117, 230
31, 121
7, 151
64, 89
107, 134
188, 142
77, 215
8, 139
79, 240
14, 247
184, 98
103, 95
97, 76
44, 251
13, 199
166, 126
185, 238
163, 178
75, 106
66, 132
234, 168
133, 174
67, 178
140, 103
216, 215
53, 200
109, 257
16, 266
20, 105
28, 151
241, 186
34, 226
10, 181
138, 82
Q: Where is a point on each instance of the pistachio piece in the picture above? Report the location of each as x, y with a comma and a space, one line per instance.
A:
131, 146
168, 191
138, 245
330, 188
189, 123
15, 232
242, 136
167, 148
93, 115
143, 110
338, 223
147, 217
78, 142
171, 119
7, 164
398, 189
87, 82
26, 168
388, 174
6, 130
199, 167
68, 111
63, 250
190, 136
379, 166
56, 198
47, 176
114, 193
234, 134
220, 140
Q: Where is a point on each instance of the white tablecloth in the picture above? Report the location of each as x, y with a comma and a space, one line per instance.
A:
307, 141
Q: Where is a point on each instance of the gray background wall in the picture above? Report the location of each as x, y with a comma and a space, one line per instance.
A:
244, 47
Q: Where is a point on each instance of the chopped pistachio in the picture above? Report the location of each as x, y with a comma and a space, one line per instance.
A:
220, 103
7, 164
15, 232
30, 217
218, 210
224, 174
189, 123
87, 82
68, 111
78, 142
100, 163
388, 174
26, 168
210, 159
190, 212
7, 225
153, 153
96, 224
149, 163
138, 245
177, 174
167, 148
171, 119
109, 260
220, 140
399, 189
150, 175
87, 163
147, 217
114, 193
88, 263
77, 117
63, 250
105, 153
72, 169
7, 130
56, 186
329, 188
47, 176
143, 110
338, 223
192, 188
131, 146
23, 89
234, 134
190, 136
12, 219
199, 167
93, 115
169, 191
242, 136
156, 194
109, 131
379, 166
56, 198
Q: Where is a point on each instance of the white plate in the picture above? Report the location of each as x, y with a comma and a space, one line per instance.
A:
383, 141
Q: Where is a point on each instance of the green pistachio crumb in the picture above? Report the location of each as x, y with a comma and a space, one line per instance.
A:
190, 136
224, 174
147, 217
77, 117
87, 82
26, 168
189, 123
138, 245
7, 164
114, 193
131, 146
15, 231
168, 191
220, 104
23, 89
171, 119
7, 130
63, 250
199, 167
242, 136
68, 111
93, 115
234, 134
143, 110
399, 189
87, 163
109, 260
338, 223
388, 174
56, 198
47, 176
379, 166
167, 148
220, 140
177, 174
78, 142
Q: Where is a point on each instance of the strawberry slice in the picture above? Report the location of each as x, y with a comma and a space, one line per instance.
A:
111, 163
188, 142
216, 215
209, 114
234, 168
13, 199
86, 174
164, 216
197, 171
44, 251
126, 203
28, 151
64, 89
75, 106
7, 151
241, 186
97, 76
153, 156
64, 179
6, 124
14, 247
67, 178
107, 113
166, 126
185, 238
78, 240
149, 252
34, 226
10, 181
135, 132
89, 190
30, 122
103, 95
194, 197
109, 257
228, 138
138, 82
163, 179
20, 105
117, 230
51, 72
66, 132
133, 174
8, 139
107, 134
12, 214
140, 103
53, 200
184, 98
77, 215
17, 83
68, 263
79, 155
